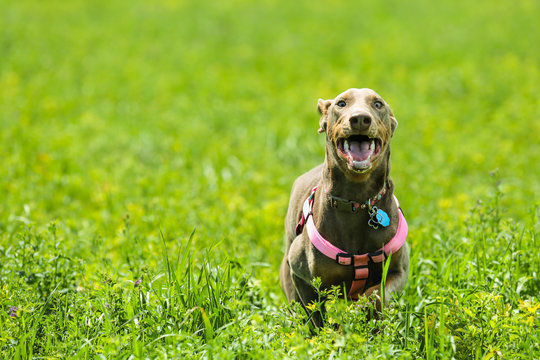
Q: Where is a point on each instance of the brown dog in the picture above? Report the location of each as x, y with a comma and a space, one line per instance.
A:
353, 186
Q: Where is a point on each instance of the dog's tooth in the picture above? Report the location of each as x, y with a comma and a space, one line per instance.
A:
372, 145
346, 145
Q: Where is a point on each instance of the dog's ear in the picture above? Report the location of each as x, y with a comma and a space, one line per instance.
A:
323, 106
393, 122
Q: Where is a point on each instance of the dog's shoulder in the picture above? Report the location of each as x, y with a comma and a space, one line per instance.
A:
300, 191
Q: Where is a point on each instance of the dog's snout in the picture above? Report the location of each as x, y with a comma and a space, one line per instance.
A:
360, 121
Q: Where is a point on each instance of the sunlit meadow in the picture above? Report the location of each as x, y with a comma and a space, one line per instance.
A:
148, 150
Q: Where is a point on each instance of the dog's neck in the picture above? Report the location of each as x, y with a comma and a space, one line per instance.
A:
337, 183
342, 228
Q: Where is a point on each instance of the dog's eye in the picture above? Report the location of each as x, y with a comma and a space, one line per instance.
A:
341, 103
378, 104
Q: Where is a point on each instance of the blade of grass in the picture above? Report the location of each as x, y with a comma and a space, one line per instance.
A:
386, 266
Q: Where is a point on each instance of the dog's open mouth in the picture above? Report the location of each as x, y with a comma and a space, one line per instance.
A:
359, 151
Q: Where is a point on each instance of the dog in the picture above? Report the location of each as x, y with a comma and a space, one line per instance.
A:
343, 220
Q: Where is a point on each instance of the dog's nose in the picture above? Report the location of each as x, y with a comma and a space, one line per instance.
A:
360, 121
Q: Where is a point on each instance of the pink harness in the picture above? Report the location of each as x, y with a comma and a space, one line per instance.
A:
359, 262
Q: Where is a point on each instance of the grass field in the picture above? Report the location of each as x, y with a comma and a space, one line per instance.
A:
148, 149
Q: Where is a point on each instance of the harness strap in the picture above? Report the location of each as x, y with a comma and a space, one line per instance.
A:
360, 263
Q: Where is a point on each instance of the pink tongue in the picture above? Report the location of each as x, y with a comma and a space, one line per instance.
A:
360, 150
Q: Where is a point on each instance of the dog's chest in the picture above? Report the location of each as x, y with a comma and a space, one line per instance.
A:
353, 240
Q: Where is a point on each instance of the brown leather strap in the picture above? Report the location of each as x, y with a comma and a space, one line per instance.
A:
360, 276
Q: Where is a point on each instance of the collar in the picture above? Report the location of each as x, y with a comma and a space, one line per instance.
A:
359, 262
351, 205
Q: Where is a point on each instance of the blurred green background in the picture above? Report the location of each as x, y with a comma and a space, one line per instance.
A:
201, 114
119, 119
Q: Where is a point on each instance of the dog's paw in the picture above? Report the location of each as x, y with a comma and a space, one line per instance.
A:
374, 297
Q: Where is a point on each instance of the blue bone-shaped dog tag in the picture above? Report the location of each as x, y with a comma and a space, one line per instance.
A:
382, 218
378, 217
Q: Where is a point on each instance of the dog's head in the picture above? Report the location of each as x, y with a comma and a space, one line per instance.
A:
358, 124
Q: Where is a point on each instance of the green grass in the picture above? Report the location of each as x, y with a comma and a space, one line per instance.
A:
148, 148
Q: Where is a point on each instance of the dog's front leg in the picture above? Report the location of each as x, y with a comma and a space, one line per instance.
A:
308, 295
301, 265
398, 273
